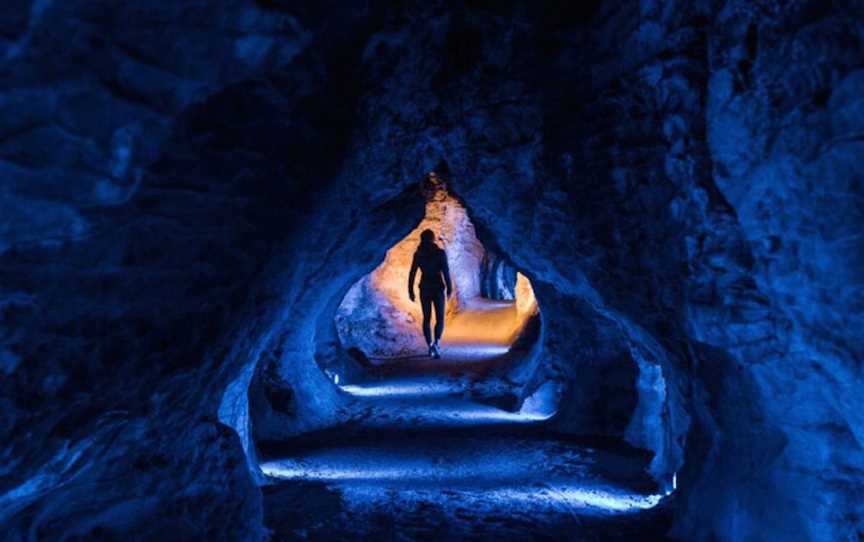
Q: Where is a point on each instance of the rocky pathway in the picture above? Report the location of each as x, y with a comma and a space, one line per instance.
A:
423, 459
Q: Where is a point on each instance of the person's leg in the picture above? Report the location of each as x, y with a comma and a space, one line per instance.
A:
438, 300
426, 306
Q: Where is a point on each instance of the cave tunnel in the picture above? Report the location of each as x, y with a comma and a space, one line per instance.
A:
491, 318
479, 424
651, 213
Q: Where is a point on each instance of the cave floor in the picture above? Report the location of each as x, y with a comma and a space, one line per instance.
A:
439, 400
476, 339
475, 357
463, 484
441, 450
410, 465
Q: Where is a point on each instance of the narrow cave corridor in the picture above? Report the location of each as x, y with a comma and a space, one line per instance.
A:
468, 439
492, 321
651, 211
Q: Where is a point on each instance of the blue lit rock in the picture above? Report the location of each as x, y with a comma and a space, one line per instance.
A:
190, 188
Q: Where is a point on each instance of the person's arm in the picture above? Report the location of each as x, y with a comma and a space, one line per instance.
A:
411, 277
445, 268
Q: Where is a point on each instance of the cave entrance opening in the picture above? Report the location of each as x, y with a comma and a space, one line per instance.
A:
492, 321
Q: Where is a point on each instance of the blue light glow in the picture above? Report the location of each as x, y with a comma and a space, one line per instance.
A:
405, 479
404, 388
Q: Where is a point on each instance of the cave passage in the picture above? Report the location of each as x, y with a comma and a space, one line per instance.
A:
489, 308
653, 212
466, 441
492, 318
488, 349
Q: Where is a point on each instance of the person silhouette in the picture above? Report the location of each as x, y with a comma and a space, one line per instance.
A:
432, 261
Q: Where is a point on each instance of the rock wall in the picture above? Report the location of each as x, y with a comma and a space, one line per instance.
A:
734, 132
784, 130
132, 228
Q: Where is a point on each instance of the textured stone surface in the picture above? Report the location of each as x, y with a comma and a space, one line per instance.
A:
190, 188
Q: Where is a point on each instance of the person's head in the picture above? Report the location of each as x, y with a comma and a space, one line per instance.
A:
427, 237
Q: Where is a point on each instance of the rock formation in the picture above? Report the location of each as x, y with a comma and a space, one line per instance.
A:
190, 189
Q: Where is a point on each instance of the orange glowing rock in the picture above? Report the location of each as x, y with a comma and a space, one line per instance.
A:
378, 317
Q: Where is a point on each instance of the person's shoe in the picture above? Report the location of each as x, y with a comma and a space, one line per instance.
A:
435, 352
431, 351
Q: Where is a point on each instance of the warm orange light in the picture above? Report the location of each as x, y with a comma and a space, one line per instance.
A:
499, 322
470, 318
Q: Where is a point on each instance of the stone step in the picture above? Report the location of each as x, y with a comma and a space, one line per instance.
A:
429, 402
471, 484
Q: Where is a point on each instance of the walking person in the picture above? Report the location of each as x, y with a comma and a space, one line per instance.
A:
435, 278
